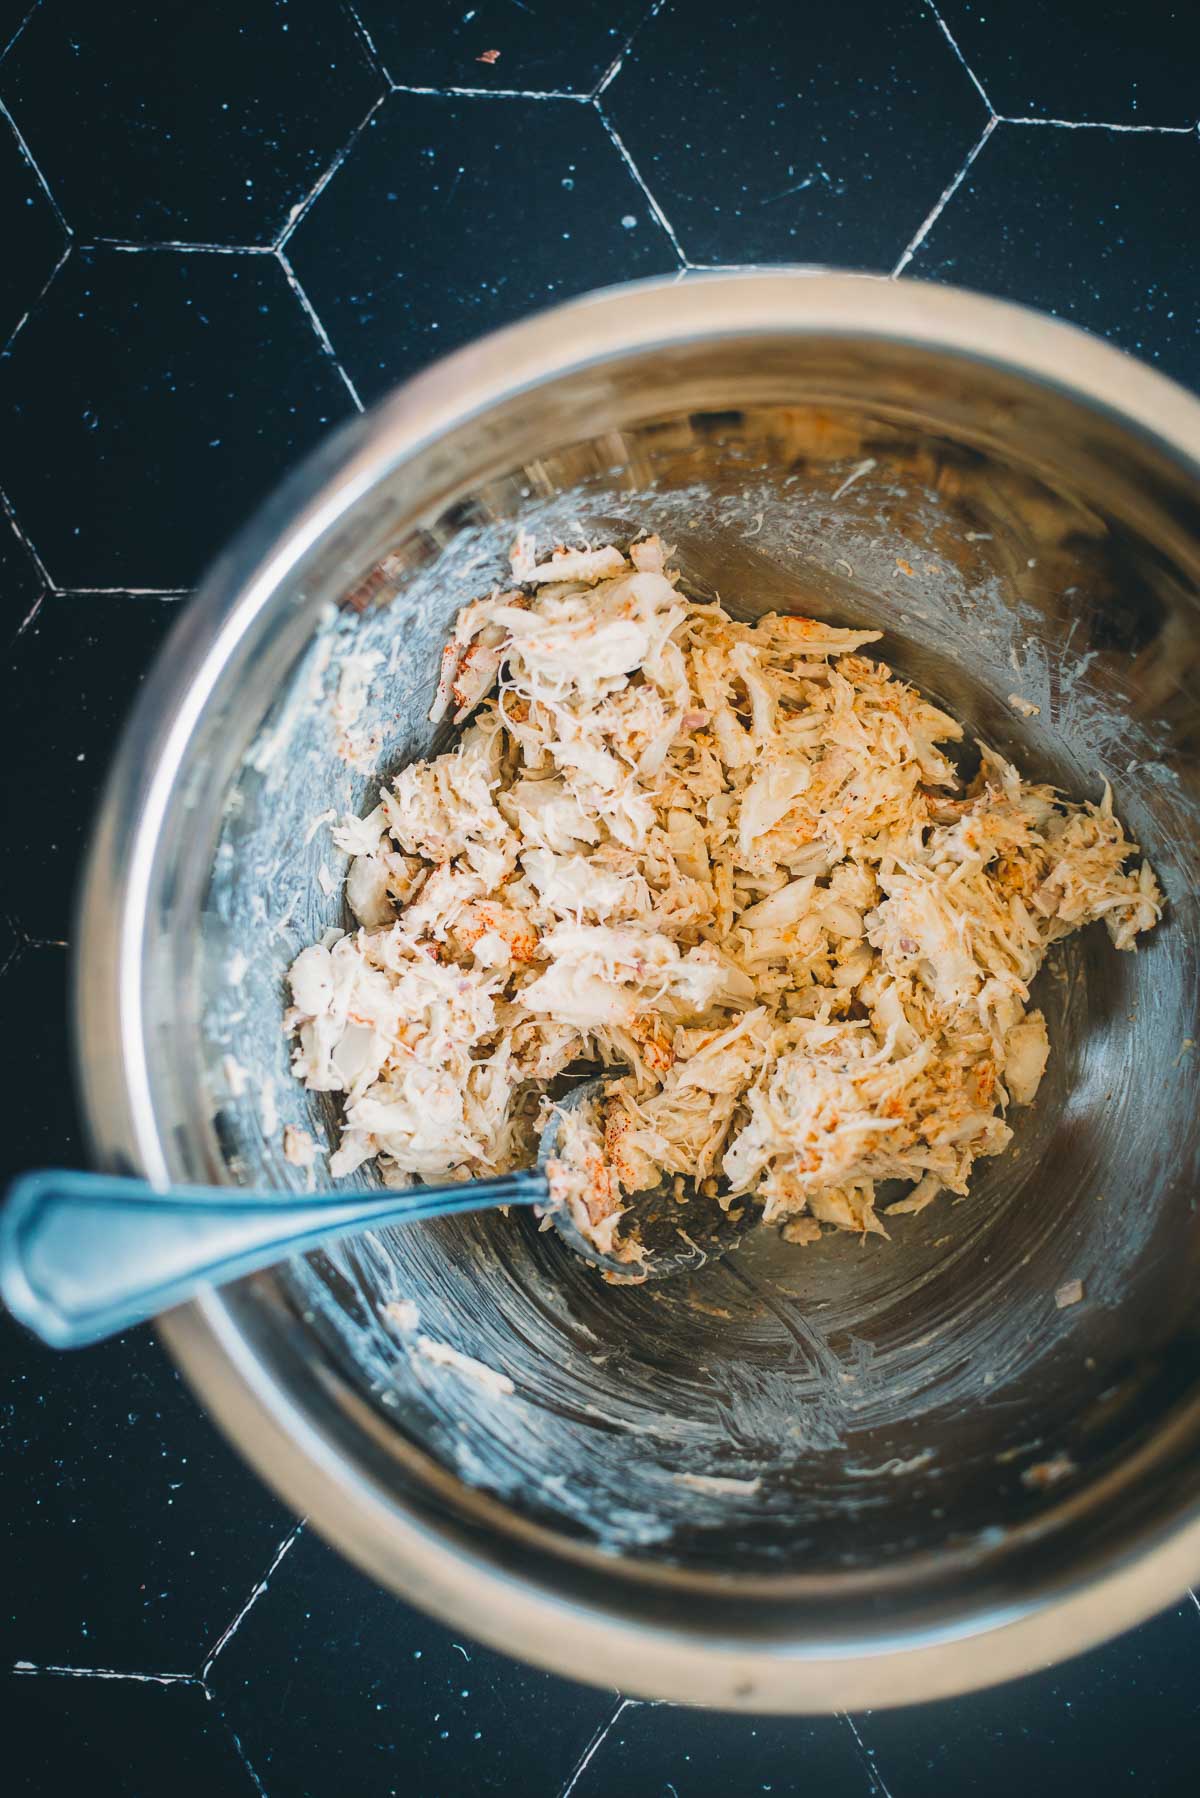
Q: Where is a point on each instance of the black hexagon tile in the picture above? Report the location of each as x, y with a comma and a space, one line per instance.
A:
72, 676
139, 1532
149, 402
1125, 1713
1093, 238
123, 1572
453, 216
403, 1705
118, 1739
1117, 62
449, 44
34, 988
30, 231
769, 138
202, 123
20, 583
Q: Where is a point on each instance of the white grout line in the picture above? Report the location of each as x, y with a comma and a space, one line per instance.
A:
597, 1742
4, 50
6, 506
494, 93
610, 74
866, 1755
614, 68
121, 592
130, 246
632, 166
36, 302
1097, 125
147, 1679
319, 330
376, 59
301, 207
28, 619
923, 231
25, 941
950, 39
241, 1753
27, 153
231, 1629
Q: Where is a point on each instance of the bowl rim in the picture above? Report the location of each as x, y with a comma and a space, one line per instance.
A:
268, 1424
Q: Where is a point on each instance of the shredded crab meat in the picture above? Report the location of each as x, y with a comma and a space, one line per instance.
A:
730, 861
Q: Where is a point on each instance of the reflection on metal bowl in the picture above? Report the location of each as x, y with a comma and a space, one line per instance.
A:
801, 1478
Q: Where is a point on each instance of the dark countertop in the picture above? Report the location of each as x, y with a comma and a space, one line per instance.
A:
223, 228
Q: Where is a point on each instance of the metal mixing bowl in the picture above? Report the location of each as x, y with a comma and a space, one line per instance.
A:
807, 1478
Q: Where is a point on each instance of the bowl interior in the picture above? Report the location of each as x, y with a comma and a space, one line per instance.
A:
846, 1418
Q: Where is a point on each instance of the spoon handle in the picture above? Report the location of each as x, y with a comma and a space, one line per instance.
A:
83, 1256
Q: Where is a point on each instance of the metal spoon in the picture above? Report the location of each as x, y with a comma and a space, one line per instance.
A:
84, 1256
670, 1228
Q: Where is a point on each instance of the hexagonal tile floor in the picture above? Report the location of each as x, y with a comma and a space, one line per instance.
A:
222, 230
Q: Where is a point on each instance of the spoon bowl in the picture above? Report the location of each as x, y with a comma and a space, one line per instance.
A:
670, 1228
84, 1256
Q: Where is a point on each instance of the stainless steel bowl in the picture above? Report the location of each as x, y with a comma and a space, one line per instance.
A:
809, 1478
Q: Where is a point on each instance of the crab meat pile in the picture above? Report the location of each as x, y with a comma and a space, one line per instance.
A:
732, 860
